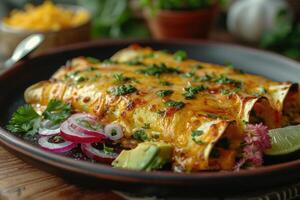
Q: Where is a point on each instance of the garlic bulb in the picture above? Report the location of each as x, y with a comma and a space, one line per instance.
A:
250, 19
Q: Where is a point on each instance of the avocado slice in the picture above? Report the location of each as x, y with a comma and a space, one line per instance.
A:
146, 156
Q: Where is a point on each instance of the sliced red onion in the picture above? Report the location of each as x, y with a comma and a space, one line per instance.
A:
113, 131
48, 128
56, 147
98, 155
86, 124
70, 134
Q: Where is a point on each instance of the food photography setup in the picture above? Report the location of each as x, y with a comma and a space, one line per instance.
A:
150, 99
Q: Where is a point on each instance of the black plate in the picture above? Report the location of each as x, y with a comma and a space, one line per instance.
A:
15, 81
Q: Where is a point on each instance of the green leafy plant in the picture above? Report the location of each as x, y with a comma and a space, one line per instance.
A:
155, 5
113, 18
284, 38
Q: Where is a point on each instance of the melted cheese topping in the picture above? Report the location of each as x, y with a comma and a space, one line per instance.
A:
207, 102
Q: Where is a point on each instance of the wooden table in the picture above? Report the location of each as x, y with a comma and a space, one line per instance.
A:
20, 181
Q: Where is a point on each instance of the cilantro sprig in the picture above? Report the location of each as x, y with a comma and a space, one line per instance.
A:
27, 120
24, 120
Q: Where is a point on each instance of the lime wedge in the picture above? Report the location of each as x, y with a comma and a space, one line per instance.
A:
284, 140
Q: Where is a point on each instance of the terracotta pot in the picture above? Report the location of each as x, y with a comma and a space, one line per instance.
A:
181, 24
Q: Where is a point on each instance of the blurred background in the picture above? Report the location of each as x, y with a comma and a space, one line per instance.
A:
267, 24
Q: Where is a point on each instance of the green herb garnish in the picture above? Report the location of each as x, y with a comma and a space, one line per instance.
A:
158, 69
165, 83
175, 104
195, 136
190, 92
27, 120
107, 150
225, 91
222, 79
24, 120
122, 90
164, 93
140, 135
57, 111
119, 77
180, 55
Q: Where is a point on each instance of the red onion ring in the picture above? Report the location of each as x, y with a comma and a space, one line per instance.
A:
94, 129
70, 134
113, 131
97, 155
48, 128
55, 147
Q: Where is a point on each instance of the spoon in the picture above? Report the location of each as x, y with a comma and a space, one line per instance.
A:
23, 49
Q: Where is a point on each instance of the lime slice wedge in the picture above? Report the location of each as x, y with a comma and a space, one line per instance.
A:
284, 140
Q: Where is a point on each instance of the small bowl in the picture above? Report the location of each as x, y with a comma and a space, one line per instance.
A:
10, 36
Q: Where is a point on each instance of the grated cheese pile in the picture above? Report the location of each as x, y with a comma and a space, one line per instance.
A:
46, 17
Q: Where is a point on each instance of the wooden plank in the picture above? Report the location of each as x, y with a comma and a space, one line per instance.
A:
20, 181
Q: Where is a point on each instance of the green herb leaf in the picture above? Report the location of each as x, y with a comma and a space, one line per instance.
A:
222, 79
180, 55
107, 150
175, 104
190, 92
158, 69
122, 90
24, 120
57, 111
164, 93
121, 78
195, 136
140, 135
165, 83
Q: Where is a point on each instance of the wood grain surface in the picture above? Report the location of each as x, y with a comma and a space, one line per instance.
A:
20, 181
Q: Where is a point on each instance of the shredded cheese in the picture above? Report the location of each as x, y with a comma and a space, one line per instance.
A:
45, 17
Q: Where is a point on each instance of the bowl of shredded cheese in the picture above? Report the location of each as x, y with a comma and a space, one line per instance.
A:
60, 24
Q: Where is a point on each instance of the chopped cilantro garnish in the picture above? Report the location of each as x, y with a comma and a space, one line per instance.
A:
262, 90
180, 55
225, 91
195, 136
222, 79
24, 120
164, 93
57, 111
175, 104
206, 77
92, 60
191, 91
81, 79
165, 83
107, 150
122, 90
158, 69
134, 62
188, 75
140, 135
121, 78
